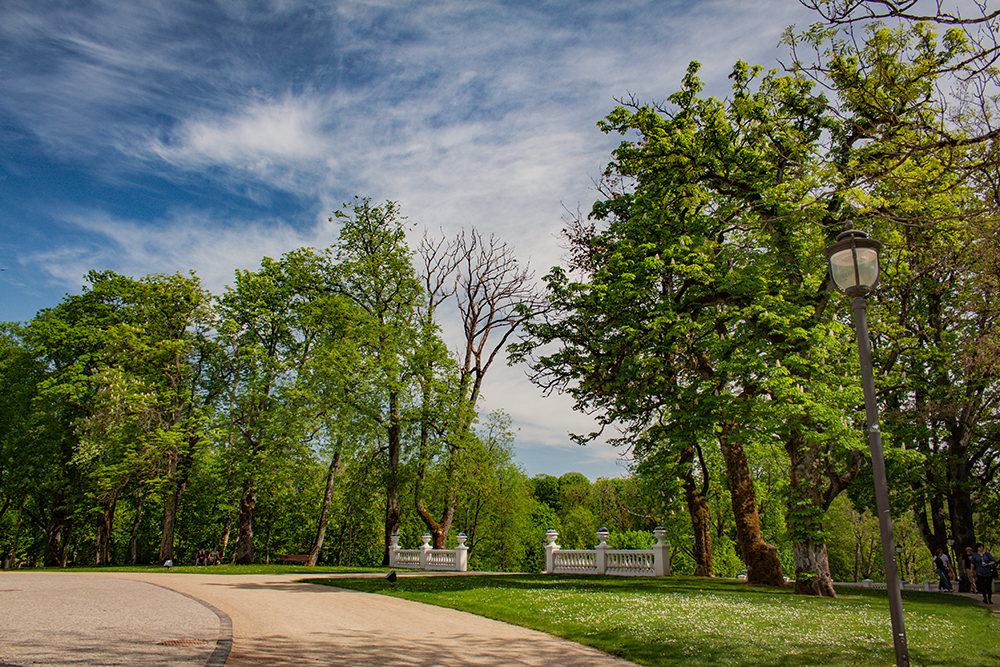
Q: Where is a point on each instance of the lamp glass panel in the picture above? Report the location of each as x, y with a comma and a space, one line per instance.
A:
867, 266
842, 268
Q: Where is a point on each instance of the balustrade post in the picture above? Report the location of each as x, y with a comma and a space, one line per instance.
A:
425, 550
393, 550
550, 551
661, 553
602, 546
461, 554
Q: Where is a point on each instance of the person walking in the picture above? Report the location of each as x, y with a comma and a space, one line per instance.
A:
967, 569
984, 564
947, 566
941, 566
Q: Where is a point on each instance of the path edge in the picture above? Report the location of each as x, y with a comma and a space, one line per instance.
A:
224, 642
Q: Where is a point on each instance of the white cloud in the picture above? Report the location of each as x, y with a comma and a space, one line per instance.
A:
544, 425
183, 243
467, 113
287, 131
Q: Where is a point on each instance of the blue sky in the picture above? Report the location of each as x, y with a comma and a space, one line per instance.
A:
160, 136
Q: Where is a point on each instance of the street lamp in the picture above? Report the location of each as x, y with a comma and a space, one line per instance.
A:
854, 267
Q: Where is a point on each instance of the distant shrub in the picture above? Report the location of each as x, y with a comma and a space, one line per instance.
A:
631, 539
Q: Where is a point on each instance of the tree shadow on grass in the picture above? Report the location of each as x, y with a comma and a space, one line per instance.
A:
445, 649
718, 651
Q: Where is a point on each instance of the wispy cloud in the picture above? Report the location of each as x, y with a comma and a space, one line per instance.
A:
289, 131
185, 242
205, 135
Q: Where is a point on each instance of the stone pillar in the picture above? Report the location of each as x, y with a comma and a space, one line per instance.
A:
661, 553
461, 554
425, 550
550, 551
602, 545
393, 550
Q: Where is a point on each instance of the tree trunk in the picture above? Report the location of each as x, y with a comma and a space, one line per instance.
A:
244, 529
807, 504
169, 525
225, 540
172, 501
934, 530
761, 558
392, 512
439, 530
340, 545
812, 569
57, 533
932, 521
267, 543
105, 524
64, 551
133, 542
324, 515
16, 545
960, 498
701, 523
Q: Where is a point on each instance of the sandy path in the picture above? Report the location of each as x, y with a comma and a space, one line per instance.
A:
276, 621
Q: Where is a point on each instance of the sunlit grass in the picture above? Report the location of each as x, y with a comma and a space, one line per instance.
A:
694, 622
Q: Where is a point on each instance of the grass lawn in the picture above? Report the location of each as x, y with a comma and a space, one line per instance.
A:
701, 623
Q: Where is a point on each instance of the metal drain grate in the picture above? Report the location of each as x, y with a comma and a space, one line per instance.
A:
183, 642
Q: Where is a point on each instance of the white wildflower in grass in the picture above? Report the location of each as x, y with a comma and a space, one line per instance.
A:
669, 622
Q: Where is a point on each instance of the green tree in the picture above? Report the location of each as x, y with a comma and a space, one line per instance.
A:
696, 281
268, 332
915, 155
67, 343
20, 480
579, 529
376, 273
494, 505
545, 489
116, 391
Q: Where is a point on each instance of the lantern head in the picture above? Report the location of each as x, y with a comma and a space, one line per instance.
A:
854, 263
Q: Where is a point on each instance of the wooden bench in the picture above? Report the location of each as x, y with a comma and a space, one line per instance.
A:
294, 558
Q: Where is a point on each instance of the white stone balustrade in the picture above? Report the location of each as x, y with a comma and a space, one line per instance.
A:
655, 562
428, 558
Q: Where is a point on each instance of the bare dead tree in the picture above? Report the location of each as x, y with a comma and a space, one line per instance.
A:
493, 293
440, 258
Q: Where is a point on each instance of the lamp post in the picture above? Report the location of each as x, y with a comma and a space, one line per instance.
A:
854, 267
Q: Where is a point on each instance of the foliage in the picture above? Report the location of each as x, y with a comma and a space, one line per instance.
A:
631, 539
143, 411
694, 313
